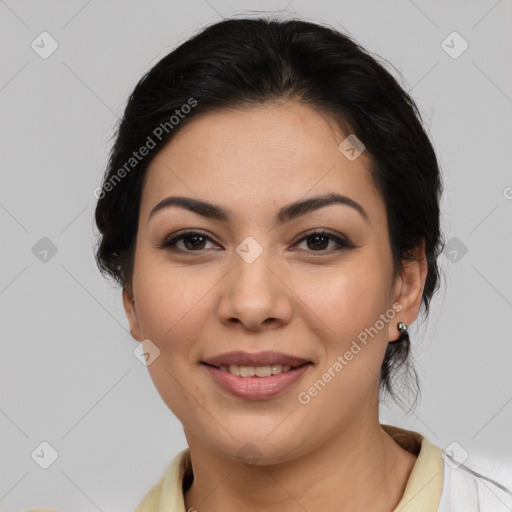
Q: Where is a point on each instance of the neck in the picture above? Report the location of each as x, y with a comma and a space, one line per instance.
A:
360, 468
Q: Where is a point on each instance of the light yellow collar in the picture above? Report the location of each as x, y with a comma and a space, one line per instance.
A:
425, 483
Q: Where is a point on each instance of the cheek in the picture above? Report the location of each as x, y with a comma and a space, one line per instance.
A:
344, 313
346, 308
172, 309
348, 299
172, 303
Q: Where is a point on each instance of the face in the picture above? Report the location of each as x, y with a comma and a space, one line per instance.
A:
255, 277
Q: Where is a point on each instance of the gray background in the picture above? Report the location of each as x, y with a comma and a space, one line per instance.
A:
68, 373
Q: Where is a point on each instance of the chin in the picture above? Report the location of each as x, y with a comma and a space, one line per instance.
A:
259, 450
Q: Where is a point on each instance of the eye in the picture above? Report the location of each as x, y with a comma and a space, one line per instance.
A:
320, 240
193, 241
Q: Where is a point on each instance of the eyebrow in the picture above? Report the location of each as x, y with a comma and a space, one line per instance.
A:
285, 214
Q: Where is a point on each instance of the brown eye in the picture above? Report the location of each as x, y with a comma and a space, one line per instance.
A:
193, 241
319, 242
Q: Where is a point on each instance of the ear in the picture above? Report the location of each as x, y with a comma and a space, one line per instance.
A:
408, 290
129, 308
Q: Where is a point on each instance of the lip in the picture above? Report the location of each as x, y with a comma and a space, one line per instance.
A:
265, 358
257, 388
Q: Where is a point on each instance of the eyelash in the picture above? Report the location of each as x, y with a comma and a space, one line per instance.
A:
342, 244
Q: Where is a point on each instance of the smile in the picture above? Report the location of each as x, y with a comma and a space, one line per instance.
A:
256, 382
256, 371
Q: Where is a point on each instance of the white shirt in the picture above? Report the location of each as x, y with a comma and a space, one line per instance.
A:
465, 490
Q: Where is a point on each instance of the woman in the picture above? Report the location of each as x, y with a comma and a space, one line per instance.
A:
271, 211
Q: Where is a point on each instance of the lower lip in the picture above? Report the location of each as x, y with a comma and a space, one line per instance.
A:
256, 388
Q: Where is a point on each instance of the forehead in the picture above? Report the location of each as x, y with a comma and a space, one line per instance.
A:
257, 158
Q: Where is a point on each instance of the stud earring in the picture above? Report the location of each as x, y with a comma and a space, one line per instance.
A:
404, 335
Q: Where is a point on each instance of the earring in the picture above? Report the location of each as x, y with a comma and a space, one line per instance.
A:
404, 335
133, 300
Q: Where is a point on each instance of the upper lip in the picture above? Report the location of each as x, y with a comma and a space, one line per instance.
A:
266, 358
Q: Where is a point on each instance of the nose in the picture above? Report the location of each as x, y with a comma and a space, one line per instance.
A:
255, 294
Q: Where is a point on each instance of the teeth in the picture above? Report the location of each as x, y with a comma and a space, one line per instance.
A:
259, 371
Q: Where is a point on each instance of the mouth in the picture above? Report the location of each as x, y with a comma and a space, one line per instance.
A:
257, 371
256, 382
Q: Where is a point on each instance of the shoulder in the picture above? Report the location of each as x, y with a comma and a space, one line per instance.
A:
440, 483
473, 489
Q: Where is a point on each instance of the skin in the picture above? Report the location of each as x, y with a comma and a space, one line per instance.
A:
294, 298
